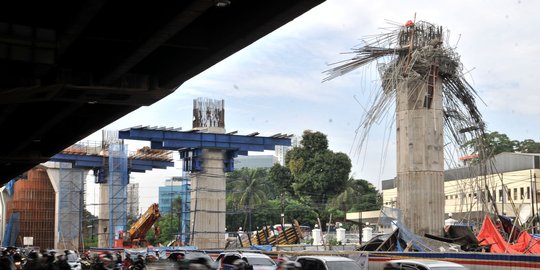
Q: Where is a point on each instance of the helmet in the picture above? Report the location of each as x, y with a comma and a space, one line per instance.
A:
33, 255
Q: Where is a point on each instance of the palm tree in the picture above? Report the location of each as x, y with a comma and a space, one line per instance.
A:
344, 200
249, 188
359, 194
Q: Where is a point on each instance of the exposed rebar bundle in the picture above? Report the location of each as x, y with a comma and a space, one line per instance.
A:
417, 50
423, 76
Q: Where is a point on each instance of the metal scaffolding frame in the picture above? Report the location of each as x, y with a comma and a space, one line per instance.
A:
186, 209
71, 206
117, 181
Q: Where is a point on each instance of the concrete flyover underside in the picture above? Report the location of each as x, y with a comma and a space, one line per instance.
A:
68, 68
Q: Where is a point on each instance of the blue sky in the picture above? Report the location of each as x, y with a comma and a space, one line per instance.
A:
274, 85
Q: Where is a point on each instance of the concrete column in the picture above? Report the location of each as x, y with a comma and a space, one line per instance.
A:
420, 161
54, 175
208, 202
103, 216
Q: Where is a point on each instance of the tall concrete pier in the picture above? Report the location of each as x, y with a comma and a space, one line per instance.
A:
208, 201
419, 136
420, 162
208, 186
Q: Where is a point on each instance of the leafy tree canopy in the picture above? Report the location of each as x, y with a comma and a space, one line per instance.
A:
494, 143
317, 173
281, 179
359, 195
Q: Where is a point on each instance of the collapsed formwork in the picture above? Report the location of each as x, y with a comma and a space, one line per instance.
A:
34, 202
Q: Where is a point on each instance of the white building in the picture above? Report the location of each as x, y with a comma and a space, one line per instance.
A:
511, 179
281, 150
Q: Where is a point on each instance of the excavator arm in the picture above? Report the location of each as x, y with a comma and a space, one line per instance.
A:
139, 229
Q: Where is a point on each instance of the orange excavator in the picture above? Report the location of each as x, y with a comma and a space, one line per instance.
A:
137, 233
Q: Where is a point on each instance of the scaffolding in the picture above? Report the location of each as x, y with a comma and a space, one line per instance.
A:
117, 184
186, 209
71, 206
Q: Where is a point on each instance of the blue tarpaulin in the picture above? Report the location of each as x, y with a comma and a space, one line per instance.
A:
9, 187
12, 230
261, 247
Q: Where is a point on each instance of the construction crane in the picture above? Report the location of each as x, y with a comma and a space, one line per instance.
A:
137, 233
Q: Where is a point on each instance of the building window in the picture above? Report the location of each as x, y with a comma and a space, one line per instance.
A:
522, 193
528, 192
494, 195
501, 195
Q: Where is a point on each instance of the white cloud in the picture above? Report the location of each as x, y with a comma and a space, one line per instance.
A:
274, 85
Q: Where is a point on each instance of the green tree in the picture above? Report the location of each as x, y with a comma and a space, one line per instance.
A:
495, 143
318, 173
358, 195
281, 178
491, 144
268, 213
249, 188
298, 210
528, 146
168, 225
90, 229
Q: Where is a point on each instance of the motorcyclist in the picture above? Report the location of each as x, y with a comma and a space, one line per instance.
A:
62, 263
33, 262
139, 263
48, 261
5, 262
105, 262
18, 260
128, 262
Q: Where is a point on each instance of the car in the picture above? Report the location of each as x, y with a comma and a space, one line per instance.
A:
198, 256
415, 264
327, 263
258, 260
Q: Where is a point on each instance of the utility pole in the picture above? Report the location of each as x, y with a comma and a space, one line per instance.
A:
360, 228
282, 211
535, 203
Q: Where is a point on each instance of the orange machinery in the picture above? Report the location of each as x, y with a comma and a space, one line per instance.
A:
137, 233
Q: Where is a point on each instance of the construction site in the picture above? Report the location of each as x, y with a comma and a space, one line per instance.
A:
44, 207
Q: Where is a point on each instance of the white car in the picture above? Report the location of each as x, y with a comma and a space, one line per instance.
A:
412, 264
327, 263
259, 261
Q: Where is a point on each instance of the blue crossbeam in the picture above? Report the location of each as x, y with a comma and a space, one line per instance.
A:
190, 144
174, 140
95, 161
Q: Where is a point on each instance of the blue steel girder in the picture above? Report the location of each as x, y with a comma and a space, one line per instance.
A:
190, 144
175, 140
95, 161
